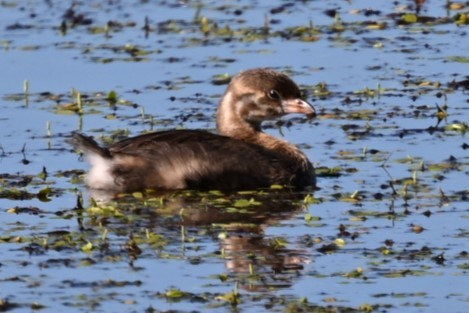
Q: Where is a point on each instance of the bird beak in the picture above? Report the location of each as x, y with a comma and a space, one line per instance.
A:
298, 106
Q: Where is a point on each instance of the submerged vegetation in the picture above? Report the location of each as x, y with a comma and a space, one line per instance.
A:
389, 146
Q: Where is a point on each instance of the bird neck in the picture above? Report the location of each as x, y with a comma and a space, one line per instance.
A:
230, 120
230, 123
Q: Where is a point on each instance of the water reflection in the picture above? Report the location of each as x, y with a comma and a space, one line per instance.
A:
237, 221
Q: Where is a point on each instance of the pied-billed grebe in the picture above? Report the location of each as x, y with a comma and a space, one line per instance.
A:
241, 157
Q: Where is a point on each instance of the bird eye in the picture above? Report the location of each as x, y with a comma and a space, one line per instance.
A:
273, 94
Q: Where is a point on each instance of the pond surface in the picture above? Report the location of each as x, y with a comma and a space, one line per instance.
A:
387, 231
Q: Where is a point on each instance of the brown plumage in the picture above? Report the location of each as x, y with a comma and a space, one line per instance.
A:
242, 157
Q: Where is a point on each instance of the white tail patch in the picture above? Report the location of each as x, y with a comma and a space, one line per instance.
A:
99, 176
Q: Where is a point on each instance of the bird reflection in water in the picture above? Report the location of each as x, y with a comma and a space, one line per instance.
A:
239, 222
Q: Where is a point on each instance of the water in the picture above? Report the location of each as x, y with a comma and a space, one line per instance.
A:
274, 256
